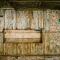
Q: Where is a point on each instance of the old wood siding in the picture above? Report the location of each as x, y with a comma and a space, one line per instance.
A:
10, 19
29, 47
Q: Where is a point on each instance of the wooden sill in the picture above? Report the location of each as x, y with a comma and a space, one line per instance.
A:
21, 34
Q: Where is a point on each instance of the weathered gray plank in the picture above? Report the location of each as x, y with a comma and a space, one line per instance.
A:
23, 20
10, 19
37, 21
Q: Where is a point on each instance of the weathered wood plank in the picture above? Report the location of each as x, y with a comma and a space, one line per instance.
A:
10, 19
52, 43
1, 37
21, 31
22, 34
18, 40
23, 20
9, 49
37, 21
1, 49
1, 23
30, 49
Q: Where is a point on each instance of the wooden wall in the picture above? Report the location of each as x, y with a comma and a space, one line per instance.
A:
20, 34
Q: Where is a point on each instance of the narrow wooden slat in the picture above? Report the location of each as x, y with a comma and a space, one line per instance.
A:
30, 49
21, 31
37, 20
1, 37
1, 49
10, 19
18, 40
1, 23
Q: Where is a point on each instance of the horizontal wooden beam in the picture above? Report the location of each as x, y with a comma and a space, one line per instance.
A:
21, 34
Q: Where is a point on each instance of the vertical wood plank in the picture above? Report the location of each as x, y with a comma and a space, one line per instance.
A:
10, 19
1, 49
9, 49
23, 20
1, 37
37, 21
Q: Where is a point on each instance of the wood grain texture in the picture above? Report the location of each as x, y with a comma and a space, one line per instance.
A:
1, 24
9, 49
10, 19
1, 49
52, 43
18, 40
23, 20
1, 37
22, 34
30, 49
37, 20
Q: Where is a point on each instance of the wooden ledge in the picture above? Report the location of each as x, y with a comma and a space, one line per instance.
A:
21, 34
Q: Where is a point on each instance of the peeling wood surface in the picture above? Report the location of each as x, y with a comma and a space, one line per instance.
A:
37, 21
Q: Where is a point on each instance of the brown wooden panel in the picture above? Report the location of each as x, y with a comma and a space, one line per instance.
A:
52, 43
9, 49
1, 49
18, 40
30, 49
